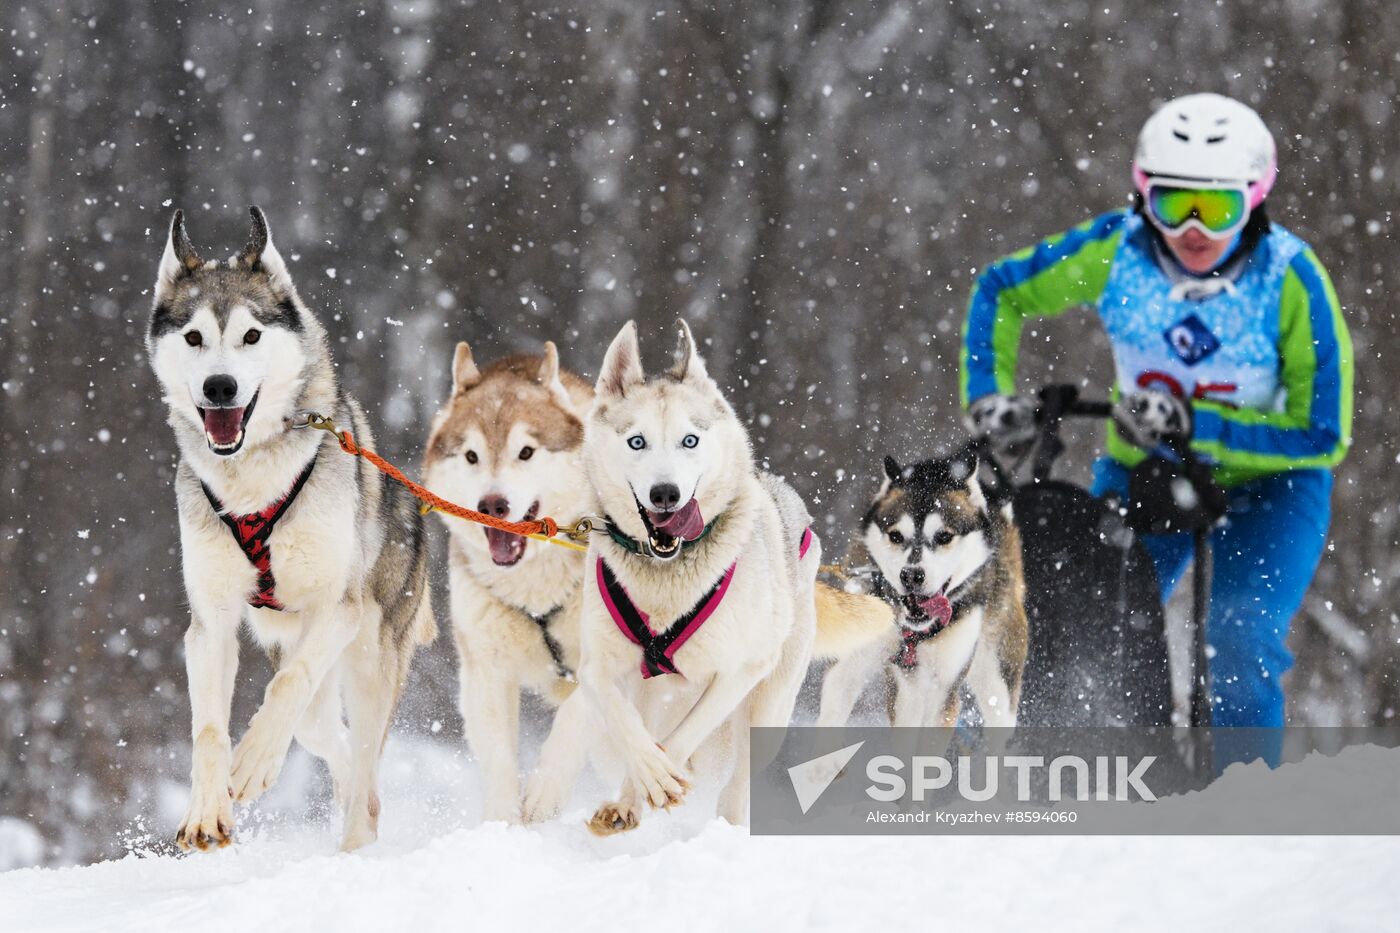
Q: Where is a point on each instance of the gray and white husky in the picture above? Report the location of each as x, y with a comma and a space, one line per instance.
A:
322, 556
699, 603
949, 563
507, 442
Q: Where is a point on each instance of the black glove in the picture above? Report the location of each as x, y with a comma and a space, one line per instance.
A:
1004, 421
1149, 418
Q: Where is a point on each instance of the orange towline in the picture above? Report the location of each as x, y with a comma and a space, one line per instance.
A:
541, 529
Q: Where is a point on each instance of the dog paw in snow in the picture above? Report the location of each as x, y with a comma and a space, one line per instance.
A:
613, 818
209, 821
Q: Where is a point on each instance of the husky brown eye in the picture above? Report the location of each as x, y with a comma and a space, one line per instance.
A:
253, 335
942, 539
896, 537
471, 456
526, 453
194, 338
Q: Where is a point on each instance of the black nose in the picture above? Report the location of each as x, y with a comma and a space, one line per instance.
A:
912, 577
221, 390
665, 496
495, 506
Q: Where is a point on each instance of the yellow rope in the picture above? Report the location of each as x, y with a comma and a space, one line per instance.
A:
425, 508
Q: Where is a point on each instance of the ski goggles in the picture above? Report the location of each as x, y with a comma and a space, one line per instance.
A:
1217, 210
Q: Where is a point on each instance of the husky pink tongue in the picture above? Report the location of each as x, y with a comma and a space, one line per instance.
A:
937, 608
506, 548
685, 523
222, 425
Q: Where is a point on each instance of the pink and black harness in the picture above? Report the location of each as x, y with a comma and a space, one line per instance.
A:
252, 531
659, 648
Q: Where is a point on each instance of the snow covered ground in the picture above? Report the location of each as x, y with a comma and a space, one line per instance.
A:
435, 869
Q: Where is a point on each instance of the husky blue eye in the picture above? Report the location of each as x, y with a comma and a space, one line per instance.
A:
690, 440
637, 442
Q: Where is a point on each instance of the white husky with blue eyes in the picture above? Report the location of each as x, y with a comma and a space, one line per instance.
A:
699, 603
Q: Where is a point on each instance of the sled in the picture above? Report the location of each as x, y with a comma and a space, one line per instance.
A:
1098, 647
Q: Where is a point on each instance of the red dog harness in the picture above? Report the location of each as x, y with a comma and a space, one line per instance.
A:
659, 648
252, 533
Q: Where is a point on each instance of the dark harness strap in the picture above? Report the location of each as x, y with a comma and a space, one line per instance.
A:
252, 531
658, 649
556, 651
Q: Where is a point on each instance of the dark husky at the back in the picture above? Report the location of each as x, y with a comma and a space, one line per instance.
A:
949, 562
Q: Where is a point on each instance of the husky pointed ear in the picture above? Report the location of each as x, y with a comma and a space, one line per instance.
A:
893, 471
549, 377
963, 466
259, 255
975, 493
689, 364
964, 471
257, 240
464, 371
179, 258
622, 366
549, 366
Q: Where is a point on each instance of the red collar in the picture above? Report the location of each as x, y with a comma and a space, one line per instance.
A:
907, 657
252, 532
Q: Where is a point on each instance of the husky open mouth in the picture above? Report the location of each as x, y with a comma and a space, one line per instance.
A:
927, 610
507, 548
668, 530
223, 427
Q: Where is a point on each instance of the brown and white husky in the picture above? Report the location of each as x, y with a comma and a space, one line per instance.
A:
507, 443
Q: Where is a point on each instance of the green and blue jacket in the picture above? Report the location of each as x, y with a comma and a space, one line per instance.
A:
1265, 356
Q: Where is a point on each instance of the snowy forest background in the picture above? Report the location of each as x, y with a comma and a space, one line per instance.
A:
812, 183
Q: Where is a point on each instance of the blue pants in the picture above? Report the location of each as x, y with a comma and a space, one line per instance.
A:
1265, 555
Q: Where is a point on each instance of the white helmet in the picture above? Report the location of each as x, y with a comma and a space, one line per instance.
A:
1207, 137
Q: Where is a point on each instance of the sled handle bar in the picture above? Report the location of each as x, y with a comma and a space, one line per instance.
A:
1057, 402
1060, 401
1086, 409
